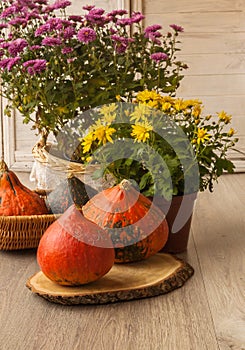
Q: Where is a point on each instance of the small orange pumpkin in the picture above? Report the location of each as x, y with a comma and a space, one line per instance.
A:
137, 227
74, 250
17, 199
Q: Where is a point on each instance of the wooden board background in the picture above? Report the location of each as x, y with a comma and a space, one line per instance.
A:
213, 46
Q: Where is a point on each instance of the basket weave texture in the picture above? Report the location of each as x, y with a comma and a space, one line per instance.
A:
56, 163
23, 232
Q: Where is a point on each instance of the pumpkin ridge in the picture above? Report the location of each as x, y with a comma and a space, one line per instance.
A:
17, 199
11, 184
138, 232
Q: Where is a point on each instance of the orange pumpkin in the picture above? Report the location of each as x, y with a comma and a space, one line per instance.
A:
17, 199
74, 250
137, 227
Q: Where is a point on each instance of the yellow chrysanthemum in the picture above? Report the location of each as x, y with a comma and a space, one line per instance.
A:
166, 106
140, 112
231, 132
196, 111
147, 95
141, 131
191, 103
108, 109
103, 133
87, 142
109, 118
202, 135
224, 117
153, 104
167, 99
179, 105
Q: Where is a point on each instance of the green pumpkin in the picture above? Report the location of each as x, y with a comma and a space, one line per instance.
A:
69, 191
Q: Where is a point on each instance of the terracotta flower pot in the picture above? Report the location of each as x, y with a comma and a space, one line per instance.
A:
178, 213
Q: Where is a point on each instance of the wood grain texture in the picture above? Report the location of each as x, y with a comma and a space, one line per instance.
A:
160, 274
208, 85
196, 43
197, 7
219, 235
213, 45
207, 313
208, 22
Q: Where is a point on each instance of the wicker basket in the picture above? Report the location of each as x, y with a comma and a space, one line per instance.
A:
23, 232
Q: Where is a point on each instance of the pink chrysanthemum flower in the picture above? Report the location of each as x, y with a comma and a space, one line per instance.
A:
159, 56
8, 63
176, 28
35, 66
86, 35
50, 41
17, 46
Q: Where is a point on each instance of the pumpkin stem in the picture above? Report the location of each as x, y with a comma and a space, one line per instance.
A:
3, 166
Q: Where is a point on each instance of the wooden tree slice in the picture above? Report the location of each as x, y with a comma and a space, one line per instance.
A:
157, 275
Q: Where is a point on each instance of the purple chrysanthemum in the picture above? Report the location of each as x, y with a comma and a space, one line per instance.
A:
35, 47
75, 18
35, 66
70, 60
176, 28
17, 21
153, 28
137, 17
51, 25
32, 15
88, 7
159, 56
4, 44
42, 29
59, 4
9, 63
50, 41
86, 35
67, 50
152, 35
9, 11
68, 33
17, 46
121, 43
117, 13
112, 31
124, 22
3, 25
118, 38
95, 16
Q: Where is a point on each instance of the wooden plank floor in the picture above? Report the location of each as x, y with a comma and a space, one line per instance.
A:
207, 313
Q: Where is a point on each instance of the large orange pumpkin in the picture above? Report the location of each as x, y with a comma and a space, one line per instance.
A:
17, 199
137, 227
74, 250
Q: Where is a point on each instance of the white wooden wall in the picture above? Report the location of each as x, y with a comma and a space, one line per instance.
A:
213, 46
